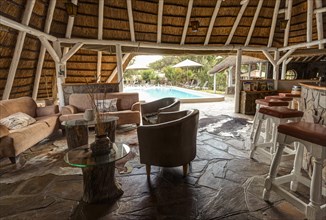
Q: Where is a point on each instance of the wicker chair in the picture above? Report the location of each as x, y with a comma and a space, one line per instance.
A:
171, 142
150, 110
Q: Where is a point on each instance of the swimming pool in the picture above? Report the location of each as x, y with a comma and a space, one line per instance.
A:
185, 95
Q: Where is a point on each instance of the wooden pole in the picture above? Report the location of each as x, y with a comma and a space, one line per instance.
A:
272, 30
185, 27
237, 82
276, 69
211, 23
40, 62
131, 20
18, 50
159, 20
215, 83
70, 25
253, 23
319, 22
309, 20
99, 36
119, 66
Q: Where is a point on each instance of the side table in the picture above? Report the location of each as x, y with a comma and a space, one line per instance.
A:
98, 172
77, 130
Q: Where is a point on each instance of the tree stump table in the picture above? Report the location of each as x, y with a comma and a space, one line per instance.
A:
77, 130
98, 172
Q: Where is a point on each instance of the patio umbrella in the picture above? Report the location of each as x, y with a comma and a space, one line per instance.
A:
137, 66
187, 63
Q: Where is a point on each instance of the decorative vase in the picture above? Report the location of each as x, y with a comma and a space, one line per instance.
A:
89, 115
102, 145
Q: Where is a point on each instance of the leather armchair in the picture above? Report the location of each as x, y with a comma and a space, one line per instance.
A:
150, 110
171, 142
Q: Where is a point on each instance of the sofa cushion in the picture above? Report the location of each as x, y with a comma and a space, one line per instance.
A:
22, 104
17, 120
107, 105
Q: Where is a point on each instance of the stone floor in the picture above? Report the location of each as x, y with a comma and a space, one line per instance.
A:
223, 183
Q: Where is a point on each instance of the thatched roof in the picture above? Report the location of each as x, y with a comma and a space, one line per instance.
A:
135, 24
230, 61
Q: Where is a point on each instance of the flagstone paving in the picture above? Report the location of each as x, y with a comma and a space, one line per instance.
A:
223, 183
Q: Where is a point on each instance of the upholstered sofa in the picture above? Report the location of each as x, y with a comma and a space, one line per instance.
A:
14, 142
128, 107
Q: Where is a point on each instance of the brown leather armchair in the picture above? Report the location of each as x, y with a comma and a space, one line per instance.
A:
150, 110
171, 142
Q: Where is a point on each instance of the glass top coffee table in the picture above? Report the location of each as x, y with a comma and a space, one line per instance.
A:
98, 172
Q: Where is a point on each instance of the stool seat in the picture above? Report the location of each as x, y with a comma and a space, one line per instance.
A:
267, 102
289, 95
280, 112
314, 133
286, 99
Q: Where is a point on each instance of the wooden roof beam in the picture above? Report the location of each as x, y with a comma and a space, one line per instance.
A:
285, 56
244, 4
159, 20
40, 62
310, 4
272, 31
287, 28
253, 23
185, 27
312, 43
131, 21
319, 22
211, 23
99, 36
319, 57
320, 10
71, 52
115, 71
163, 46
70, 25
18, 50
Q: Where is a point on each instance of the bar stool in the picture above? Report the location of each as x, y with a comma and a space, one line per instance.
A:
265, 102
277, 115
296, 99
313, 137
284, 99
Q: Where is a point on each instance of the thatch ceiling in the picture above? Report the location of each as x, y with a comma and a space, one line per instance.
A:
145, 16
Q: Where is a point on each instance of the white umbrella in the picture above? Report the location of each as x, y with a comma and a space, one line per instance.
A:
137, 66
187, 63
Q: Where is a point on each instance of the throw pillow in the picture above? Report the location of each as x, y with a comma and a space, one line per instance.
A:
17, 120
107, 105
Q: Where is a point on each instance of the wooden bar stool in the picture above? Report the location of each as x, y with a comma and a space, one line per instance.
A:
265, 102
296, 100
313, 137
277, 115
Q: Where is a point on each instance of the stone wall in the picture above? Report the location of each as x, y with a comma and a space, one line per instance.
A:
314, 107
69, 89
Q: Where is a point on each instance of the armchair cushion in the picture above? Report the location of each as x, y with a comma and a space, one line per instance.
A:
69, 109
47, 110
150, 110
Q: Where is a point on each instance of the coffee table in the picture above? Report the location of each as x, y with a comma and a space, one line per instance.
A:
98, 172
77, 130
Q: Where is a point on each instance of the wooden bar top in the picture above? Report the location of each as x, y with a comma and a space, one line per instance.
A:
314, 85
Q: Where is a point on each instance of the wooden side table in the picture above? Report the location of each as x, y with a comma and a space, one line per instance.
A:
77, 130
98, 172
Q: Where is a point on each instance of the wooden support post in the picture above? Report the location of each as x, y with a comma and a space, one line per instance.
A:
114, 72
39, 67
119, 66
283, 70
99, 36
249, 70
215, 83
276, 69
237, 82
131, 20
260, 68
18, 49
70, 24
288, 17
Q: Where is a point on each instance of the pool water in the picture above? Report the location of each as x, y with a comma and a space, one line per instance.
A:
154, 93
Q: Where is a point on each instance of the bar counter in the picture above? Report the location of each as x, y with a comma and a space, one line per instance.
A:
313, 100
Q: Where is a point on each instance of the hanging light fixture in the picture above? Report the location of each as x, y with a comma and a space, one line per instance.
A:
194, 25
71, 9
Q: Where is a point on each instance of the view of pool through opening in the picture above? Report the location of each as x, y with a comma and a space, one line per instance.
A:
187, 95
